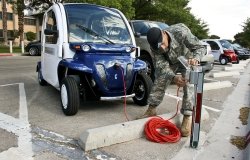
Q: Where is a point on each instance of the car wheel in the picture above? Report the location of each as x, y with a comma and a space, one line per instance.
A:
33, 51
223, 60
150, 66
41, 81
70, 97
142, 88
237, 60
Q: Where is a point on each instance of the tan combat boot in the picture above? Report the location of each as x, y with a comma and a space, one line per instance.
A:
186, 126
150, 112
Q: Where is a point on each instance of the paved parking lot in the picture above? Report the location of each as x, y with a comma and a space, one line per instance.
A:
32, 124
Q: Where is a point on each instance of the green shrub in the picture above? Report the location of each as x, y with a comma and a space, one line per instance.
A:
31, 36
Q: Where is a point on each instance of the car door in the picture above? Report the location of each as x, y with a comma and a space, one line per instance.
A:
52, 45
215, 50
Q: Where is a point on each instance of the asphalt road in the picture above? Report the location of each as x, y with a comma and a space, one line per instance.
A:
34, 112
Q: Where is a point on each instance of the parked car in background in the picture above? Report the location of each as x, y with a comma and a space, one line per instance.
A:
208, 60
33, 48
222, 51
140, 29
242, 53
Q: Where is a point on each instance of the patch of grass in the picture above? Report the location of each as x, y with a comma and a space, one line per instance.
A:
239, 142
244, 112
6, 49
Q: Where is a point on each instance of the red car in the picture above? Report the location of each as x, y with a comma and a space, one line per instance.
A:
222, 51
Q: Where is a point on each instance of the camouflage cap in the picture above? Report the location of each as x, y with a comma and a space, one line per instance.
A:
154, 37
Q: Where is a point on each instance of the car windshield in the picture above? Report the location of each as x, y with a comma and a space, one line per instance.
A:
95, 24
237, 45
142, 27
226, 44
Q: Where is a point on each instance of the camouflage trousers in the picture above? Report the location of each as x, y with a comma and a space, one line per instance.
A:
187, 99
188, 92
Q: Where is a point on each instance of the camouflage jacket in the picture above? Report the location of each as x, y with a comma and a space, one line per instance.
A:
182, 43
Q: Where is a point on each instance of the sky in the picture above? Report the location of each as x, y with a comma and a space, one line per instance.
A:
224, 17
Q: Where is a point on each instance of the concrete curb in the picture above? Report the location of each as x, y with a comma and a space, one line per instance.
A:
127, 131
118, 133
5, 54
224, 74
217, 142
216, 85
247, 150
233, 68
123, 132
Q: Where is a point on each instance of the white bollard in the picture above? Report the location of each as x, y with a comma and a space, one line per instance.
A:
22, 44
11, 47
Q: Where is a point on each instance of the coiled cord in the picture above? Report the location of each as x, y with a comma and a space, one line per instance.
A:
162, 131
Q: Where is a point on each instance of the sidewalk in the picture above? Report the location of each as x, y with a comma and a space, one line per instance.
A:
218, 142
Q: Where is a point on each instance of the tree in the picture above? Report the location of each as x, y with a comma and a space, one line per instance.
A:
5, 34
170, 12
214, 37
243, 38
31, 36
125, 7
19, 7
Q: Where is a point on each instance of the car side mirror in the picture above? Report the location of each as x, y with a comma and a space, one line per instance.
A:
50, 32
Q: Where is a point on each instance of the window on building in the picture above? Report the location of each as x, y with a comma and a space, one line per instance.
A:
29, 21
1, 15
10, 34
10, 16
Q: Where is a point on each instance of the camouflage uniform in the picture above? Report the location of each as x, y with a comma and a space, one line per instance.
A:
182, 43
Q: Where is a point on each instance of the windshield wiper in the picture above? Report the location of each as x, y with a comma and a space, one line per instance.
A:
90, 31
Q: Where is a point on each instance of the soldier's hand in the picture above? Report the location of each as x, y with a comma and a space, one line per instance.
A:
179, 80
193, 62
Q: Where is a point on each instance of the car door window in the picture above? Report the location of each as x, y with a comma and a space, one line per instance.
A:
213, 45
141, 27
51, 24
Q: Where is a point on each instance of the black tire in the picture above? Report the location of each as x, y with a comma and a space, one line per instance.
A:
223, 60
151, 71
41, 81
33, 51
237, 60
142, 88
70, 97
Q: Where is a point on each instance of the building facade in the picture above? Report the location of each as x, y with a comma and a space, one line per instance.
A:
31, 24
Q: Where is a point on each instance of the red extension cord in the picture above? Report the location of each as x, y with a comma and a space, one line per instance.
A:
157, 129
163, 131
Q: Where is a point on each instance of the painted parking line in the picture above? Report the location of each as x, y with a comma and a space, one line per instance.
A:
20, 127
178, 98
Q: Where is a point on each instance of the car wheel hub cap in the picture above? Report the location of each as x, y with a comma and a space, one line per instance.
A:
64, 96
32, 51
140, 91
223, 61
